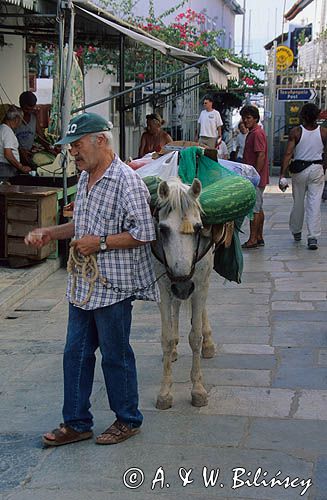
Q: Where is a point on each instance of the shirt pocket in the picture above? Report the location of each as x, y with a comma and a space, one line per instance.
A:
104, 225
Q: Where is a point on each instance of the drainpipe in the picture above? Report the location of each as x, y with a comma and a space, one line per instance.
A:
122, 141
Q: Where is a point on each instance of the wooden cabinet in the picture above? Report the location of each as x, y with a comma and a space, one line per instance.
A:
24, 208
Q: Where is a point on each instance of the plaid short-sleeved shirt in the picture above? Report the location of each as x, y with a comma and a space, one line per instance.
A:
118, 202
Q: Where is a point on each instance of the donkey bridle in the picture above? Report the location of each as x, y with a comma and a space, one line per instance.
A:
195, 260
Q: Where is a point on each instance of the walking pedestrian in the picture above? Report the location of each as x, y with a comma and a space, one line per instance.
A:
308, 143
112, 227
210, 124
256, 154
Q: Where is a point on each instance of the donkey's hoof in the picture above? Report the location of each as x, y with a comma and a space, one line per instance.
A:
208, 351
174, 356
199, 399
164, 402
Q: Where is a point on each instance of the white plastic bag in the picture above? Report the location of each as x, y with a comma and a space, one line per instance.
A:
242, 169
164, 167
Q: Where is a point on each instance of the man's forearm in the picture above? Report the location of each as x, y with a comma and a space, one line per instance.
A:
8, 154
260, 162
285, 164
63, 231
123, 240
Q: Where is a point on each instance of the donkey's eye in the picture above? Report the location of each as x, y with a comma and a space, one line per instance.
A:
164, 229
197, 227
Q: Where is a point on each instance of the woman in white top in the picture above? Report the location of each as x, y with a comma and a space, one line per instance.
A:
10, 164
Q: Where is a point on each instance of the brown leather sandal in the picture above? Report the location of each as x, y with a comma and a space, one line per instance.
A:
65, 435
117, 433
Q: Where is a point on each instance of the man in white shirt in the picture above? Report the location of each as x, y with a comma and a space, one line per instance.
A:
210, 124
10, 164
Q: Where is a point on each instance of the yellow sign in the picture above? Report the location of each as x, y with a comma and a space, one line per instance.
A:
284, 57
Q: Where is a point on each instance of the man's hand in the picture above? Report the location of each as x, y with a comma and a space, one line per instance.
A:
87, 245
25, 169
283, 184
38, 237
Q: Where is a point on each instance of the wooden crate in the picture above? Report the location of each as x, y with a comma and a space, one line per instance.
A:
26, 208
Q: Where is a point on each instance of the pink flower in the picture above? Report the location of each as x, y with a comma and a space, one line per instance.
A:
249, 81
140, 76
79, 51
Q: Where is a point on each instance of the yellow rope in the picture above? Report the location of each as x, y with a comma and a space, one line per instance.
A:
87, 268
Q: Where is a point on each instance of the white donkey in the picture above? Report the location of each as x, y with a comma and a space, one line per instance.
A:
184, 252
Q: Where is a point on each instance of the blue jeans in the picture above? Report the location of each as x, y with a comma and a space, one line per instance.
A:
107, 328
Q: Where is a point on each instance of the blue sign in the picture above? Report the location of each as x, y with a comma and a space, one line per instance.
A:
289, 95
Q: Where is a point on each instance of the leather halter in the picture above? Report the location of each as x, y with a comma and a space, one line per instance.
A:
195, 260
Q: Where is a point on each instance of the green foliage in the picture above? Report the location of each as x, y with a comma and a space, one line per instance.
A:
185, 32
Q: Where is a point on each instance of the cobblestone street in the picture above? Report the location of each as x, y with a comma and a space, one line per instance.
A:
267, 389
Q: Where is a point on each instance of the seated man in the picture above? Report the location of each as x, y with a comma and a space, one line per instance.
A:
10, 164
30, 128
153, 138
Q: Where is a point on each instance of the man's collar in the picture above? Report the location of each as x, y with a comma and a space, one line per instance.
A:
112, 171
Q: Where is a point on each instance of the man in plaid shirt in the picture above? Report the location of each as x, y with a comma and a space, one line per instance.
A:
112, 220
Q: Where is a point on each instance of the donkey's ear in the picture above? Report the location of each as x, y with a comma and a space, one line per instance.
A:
196, 188
163, 190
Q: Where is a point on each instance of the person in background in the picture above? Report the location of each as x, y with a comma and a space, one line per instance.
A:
30, 129
240, 141
154, 138
222, 151
10, 164
308, 142
256, 154
210, 124
113, 223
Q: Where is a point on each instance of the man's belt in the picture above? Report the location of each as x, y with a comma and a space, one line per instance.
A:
298, 165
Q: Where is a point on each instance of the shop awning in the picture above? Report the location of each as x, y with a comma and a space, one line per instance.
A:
296, 8
218, 74
27, 4
232, 68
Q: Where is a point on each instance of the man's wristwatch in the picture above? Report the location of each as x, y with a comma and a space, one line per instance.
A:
103, 243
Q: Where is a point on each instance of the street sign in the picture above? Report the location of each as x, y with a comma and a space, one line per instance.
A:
288, 95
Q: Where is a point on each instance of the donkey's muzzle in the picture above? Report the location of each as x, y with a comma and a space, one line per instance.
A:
183, 289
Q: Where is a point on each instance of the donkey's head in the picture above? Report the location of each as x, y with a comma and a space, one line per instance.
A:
181, 239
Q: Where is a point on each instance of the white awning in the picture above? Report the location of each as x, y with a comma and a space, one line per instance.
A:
232, 68
27, 4
218, 74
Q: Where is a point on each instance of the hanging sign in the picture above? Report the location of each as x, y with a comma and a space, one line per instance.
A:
284, 57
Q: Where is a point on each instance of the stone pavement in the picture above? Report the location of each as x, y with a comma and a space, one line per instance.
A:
15, 284
267, 391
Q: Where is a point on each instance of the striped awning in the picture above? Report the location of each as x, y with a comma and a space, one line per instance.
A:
27, 4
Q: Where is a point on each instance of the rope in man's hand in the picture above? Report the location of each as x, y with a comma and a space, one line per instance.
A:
87, 268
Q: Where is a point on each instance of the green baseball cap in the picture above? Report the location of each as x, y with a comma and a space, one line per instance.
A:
84, 124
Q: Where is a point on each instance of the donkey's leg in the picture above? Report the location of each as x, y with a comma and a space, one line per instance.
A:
165, 398
208, 347
199, 394
175, 325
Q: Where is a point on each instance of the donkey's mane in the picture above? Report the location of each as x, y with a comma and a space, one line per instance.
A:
178, 199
